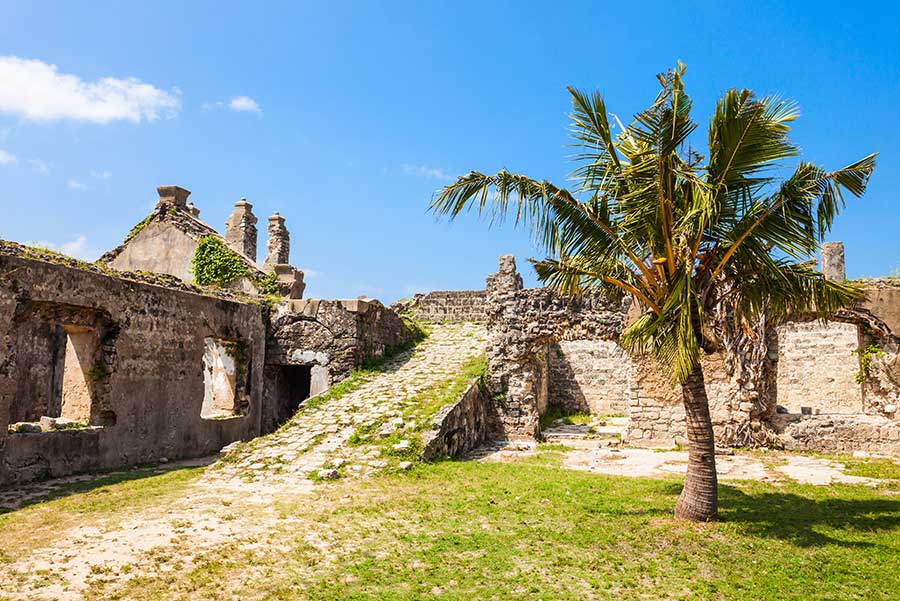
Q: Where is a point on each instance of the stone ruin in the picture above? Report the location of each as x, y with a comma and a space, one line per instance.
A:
798, 385
125, 361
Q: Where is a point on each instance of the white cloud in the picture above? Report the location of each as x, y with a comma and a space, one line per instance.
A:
39, 166
7, 158
79, 248
240, 104
101, 174
417, 288
74, 184
423, 171
36, 91
309, 273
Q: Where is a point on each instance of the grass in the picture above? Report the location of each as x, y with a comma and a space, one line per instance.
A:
420, 411
466, 530
99, 501
554, 415
868, 467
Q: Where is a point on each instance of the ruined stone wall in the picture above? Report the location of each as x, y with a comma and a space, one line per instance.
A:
817, 368
841, 433
332, 337
461, 426
656, 411
589, 376
146, 377
454, 305
522, 326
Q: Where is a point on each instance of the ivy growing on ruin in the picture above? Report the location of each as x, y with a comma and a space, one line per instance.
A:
866, 353
214, 264
140, 226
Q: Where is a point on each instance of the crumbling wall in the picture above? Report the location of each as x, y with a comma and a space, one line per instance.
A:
461, 426
332, 337
817, 368
840, 433
589, 376
656, 410
147, 379
522, 326
440, 306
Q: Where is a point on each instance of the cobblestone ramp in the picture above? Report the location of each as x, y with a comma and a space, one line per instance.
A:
317, 439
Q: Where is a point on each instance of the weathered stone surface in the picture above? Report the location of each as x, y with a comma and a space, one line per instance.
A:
462, 426
833, 266
279, 244
452, 306
240, 229
145, 376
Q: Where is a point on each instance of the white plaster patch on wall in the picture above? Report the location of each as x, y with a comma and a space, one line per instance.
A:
304, 357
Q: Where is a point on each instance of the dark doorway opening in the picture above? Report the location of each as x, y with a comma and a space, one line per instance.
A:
295, 385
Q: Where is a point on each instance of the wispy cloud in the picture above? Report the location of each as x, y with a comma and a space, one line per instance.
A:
39, 166
417, 288
74, 184
37, 91
423, 171
7, 158
101, 174
79, 247
309, 273
240, 104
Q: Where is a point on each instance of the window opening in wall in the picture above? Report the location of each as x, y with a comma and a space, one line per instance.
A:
226, 372
61, 382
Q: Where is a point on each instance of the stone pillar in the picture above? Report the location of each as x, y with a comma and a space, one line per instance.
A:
833, 267
240, 229
279, 243
515, 366
505, 281
173, 196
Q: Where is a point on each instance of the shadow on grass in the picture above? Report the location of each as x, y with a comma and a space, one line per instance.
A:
34, 493
806, 520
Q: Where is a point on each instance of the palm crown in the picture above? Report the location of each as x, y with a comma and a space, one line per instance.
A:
647, 217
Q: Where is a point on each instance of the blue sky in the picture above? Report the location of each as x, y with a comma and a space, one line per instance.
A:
345, 117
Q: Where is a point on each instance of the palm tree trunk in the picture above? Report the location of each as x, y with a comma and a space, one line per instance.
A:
699, 498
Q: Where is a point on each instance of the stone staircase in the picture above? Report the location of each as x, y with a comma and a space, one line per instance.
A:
599, 432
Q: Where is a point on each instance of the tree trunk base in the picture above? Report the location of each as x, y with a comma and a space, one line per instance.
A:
699, 499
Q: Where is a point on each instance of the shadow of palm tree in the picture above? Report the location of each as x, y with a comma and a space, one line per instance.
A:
809, 521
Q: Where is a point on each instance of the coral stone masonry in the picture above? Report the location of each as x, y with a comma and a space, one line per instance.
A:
128, 361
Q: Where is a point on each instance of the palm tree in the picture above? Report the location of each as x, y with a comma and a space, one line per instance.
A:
649, 217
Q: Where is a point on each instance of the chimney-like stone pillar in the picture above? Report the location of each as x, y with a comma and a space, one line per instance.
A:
240, 229
506, 280
279, 245
833, 266
173, 196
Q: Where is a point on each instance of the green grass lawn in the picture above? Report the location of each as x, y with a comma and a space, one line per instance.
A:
525, 530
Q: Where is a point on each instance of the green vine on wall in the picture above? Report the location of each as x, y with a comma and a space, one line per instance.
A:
865, 354
267, 285
214, 264
137, 229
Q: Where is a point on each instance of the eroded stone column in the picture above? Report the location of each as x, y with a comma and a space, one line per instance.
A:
240, 229
279, 245
833, 266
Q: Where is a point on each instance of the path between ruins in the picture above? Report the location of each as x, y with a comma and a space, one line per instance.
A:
235, 498
240, 498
